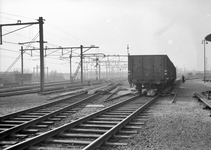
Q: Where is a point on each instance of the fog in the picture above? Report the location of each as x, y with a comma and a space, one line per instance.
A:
172, 27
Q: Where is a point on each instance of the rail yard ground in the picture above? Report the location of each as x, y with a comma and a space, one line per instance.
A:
169, 126
181, 125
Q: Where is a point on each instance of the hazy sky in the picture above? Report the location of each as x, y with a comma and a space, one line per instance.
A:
172, 27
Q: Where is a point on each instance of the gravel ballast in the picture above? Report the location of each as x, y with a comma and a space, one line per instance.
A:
170, 126
13, 104
182, 125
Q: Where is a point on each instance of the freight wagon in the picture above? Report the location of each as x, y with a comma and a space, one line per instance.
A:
150, 73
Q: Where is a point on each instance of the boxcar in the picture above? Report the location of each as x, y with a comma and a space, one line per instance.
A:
150, 72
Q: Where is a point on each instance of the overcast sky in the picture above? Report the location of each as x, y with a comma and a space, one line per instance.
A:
172, 27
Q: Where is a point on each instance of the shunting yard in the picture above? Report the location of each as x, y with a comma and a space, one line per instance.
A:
183, 124
62, 71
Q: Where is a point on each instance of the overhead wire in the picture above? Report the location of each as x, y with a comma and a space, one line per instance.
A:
15, 61
16, 15
61, 30
49, 24
17, 34
17, 29
68, 33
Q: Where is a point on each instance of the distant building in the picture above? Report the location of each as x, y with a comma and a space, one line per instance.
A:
15, 78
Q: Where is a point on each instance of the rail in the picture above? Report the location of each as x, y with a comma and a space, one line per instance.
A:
112, 119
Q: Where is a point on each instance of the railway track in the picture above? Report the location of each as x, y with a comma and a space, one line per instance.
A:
30, 121
204, 99
18, 126
90, 132
49, 88
175, 90
31, 86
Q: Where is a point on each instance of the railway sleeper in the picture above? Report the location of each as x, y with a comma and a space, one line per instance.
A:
26, 116
45, 148
28, 131
7, 125
43, 111
132, 127
65, 113
118, 113
78, 130
140, 119
128, 108
37, 126
21, 136
96, 125
60, 116
46, 123
2, 129
71, 111
108, 119
122, 111
80, 142
13, 121
22, 119
77, 135
136, 123
127, 132
8, 143
37, 113
115, 144
102, 122
54, 119
114, 116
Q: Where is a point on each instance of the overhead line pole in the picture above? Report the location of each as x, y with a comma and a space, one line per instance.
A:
21, 65
81, 64
40, 22
81, 47
42, 70
71, 67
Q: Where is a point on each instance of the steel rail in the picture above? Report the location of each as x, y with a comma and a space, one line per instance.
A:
116, 97
58, 112
24, 87
2, 118
36, 85
51, 133
176, 91
102, 139
35, 90
42, 118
